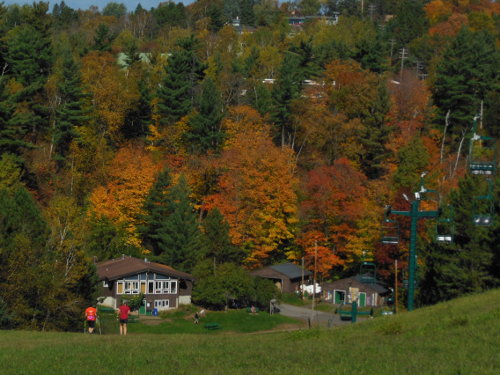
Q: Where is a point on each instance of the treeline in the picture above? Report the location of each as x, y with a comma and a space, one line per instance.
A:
219, 137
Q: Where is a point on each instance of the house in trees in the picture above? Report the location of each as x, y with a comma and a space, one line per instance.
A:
286, 276
355, 289
162, 286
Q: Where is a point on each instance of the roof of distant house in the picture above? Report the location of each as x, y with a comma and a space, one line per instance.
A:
126, 266
289, 270
355, 281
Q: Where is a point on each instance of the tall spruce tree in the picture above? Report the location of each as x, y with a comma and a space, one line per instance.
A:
179, 234
29, 59
71, 111
467, 264
183, 71
217, 245
465, 76
205, 131
375, 135
139, 117
285, 90
11, 134
156, 208
23, 237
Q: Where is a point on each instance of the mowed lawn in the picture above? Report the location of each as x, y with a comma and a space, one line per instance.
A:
457, 337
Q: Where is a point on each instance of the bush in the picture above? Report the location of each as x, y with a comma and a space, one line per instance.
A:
6, 317
134, 302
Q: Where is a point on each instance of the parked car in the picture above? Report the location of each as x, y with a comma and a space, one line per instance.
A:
310, 288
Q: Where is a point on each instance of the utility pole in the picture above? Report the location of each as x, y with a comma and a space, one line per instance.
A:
415, 214
396, 286
314, 275
303, 286
392, 41
403, 54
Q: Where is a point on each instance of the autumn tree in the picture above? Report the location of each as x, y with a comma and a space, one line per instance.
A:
112, 92
130, 176
331, 210
255, 191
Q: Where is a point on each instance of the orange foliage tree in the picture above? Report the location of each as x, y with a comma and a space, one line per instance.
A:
335, 206
255, 190
131, 175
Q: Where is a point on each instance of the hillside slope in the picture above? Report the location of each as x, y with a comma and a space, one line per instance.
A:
457, 337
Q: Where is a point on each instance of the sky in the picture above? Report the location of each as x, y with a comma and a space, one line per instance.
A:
85, 4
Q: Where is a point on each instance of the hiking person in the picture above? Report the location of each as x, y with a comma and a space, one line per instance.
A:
91, 317
123, 312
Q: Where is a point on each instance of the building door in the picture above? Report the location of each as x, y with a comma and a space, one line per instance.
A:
339, 297
362, 299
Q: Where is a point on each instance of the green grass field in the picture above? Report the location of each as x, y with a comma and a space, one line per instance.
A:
458, 337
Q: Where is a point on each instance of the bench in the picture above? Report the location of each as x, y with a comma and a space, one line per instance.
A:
353, 313
212, 326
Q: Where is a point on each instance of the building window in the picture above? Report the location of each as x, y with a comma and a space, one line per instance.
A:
162, 287
161, 304
127, 287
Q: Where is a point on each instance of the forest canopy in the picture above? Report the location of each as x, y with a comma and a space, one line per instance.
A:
242, 134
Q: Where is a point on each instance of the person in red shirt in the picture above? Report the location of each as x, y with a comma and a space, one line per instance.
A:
91, 317
123, 312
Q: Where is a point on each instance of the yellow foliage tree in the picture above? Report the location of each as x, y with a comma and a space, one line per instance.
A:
131, 175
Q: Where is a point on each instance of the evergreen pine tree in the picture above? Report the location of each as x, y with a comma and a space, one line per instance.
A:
466, 265
465, 76
247, 14
139, 118
103, 38
179, 235
29, 59
23, 238
217, 245
285, 90
205, 131
156, 208
176, 93
408, 23
375, 135
71, 112
11, 135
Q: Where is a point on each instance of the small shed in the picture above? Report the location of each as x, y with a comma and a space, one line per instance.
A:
353, 289
286, 276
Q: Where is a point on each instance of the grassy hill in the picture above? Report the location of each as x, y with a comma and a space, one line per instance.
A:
457, 337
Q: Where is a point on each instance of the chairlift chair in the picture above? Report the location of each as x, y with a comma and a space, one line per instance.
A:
445, 227
482, 155
368, 272
483, 207
390, 232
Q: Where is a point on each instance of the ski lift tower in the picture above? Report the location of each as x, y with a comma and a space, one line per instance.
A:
415, 214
